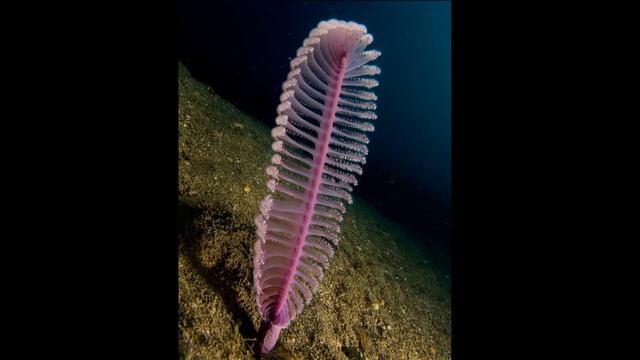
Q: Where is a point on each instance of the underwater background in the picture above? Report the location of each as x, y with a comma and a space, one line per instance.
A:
386, 294
243, 52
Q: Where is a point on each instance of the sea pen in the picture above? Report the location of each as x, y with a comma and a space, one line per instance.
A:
319, 145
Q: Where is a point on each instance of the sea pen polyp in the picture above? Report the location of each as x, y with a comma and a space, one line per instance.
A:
319, 145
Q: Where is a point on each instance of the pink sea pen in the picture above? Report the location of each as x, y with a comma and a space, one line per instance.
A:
319, 145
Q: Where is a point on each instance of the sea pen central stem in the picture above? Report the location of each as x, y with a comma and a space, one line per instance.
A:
329, 115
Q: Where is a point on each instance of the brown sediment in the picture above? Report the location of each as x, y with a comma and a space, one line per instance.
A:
379, 299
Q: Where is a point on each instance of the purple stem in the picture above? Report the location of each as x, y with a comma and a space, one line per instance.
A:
268, 336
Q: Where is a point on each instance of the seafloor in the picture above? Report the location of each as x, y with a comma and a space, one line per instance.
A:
380, 298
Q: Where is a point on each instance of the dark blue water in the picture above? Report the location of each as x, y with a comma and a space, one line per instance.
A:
243, 50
